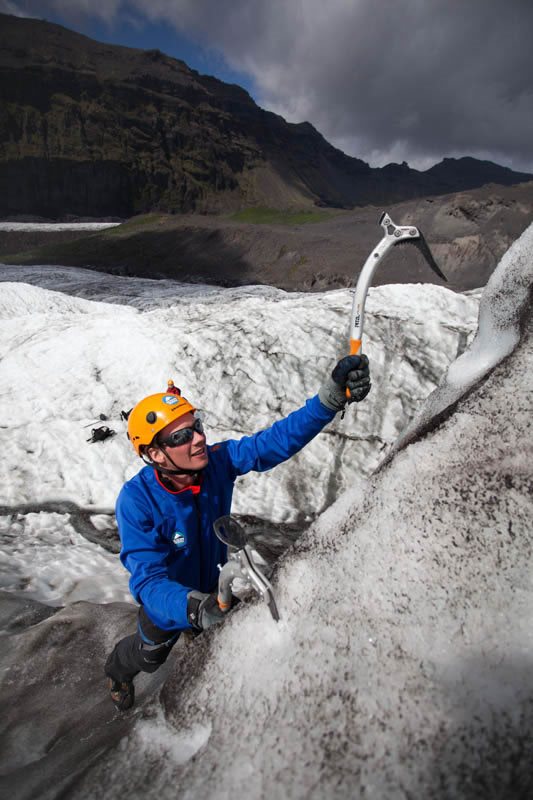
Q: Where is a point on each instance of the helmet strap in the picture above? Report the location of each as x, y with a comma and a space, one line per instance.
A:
165, 470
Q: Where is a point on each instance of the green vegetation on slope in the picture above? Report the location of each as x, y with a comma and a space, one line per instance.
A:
273, 216
135, 223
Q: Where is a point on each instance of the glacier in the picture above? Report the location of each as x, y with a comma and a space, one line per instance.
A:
96, 344
401, 663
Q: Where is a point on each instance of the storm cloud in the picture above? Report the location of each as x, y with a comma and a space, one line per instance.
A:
392, 80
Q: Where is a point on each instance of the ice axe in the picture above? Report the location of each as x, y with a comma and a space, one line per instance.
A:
394, 234
241, 564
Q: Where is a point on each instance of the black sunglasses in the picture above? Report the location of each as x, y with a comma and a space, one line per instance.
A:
182, 435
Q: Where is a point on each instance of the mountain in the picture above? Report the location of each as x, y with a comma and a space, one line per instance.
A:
468, 233
93, 129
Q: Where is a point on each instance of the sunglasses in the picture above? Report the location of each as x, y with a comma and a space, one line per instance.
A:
182, 435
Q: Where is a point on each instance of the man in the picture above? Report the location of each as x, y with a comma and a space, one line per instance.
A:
165, 513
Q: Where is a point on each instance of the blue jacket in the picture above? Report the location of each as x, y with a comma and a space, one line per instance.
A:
168, 542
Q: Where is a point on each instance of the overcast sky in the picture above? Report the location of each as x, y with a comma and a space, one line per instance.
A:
384, 80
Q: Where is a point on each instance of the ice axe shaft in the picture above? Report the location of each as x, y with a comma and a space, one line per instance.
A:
394, 234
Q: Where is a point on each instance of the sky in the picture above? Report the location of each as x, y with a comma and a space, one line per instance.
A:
394, 80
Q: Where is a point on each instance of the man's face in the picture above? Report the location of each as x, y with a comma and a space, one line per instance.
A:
190, 455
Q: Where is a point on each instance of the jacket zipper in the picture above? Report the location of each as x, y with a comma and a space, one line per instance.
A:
200, 537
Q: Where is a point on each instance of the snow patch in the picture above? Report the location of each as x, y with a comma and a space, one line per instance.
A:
503, 305
156, 738
506, 295
43, 557
57, 226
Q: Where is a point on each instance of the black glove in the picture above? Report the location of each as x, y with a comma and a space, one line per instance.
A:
203, 610
351, 372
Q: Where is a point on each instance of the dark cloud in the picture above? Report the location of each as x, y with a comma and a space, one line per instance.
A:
388, 80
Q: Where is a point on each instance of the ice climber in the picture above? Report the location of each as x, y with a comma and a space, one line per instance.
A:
165, 513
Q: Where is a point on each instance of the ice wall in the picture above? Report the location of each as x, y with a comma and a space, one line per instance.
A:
504, 307
245, 356
401, 667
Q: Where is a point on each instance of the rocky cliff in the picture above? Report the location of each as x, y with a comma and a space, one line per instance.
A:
94, 129
468, 233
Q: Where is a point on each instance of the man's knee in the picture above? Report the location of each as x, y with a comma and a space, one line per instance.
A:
152, 644
152, 656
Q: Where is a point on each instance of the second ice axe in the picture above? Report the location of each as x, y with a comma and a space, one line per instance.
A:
241, 564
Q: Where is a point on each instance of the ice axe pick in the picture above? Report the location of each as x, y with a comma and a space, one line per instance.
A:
394, 234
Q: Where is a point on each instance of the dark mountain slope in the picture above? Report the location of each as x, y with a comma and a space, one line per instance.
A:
95, 129
468, 233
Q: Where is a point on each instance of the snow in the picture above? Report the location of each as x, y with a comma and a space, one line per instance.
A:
504, 304
506, 295
245, 356
158, 737
57, 226
401, 664
142, 293
46, 558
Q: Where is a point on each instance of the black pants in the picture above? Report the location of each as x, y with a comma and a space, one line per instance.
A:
140, 653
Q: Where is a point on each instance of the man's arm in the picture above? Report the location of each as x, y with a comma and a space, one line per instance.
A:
349, 382
144, 553
268, 448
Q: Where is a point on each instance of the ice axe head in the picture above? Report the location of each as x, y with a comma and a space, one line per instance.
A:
409, 234
230, 532
423, 247
393, 235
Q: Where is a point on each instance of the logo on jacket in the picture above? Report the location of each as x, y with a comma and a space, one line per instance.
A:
179, 539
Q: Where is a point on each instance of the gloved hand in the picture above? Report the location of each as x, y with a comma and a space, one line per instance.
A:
203, 610
351, 372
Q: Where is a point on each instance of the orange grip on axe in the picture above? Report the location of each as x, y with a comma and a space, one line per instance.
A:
222, 605
355, 349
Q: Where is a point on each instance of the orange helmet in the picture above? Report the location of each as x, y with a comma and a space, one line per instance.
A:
153, 414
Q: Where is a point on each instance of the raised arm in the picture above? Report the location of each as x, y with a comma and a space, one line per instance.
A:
286, 437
